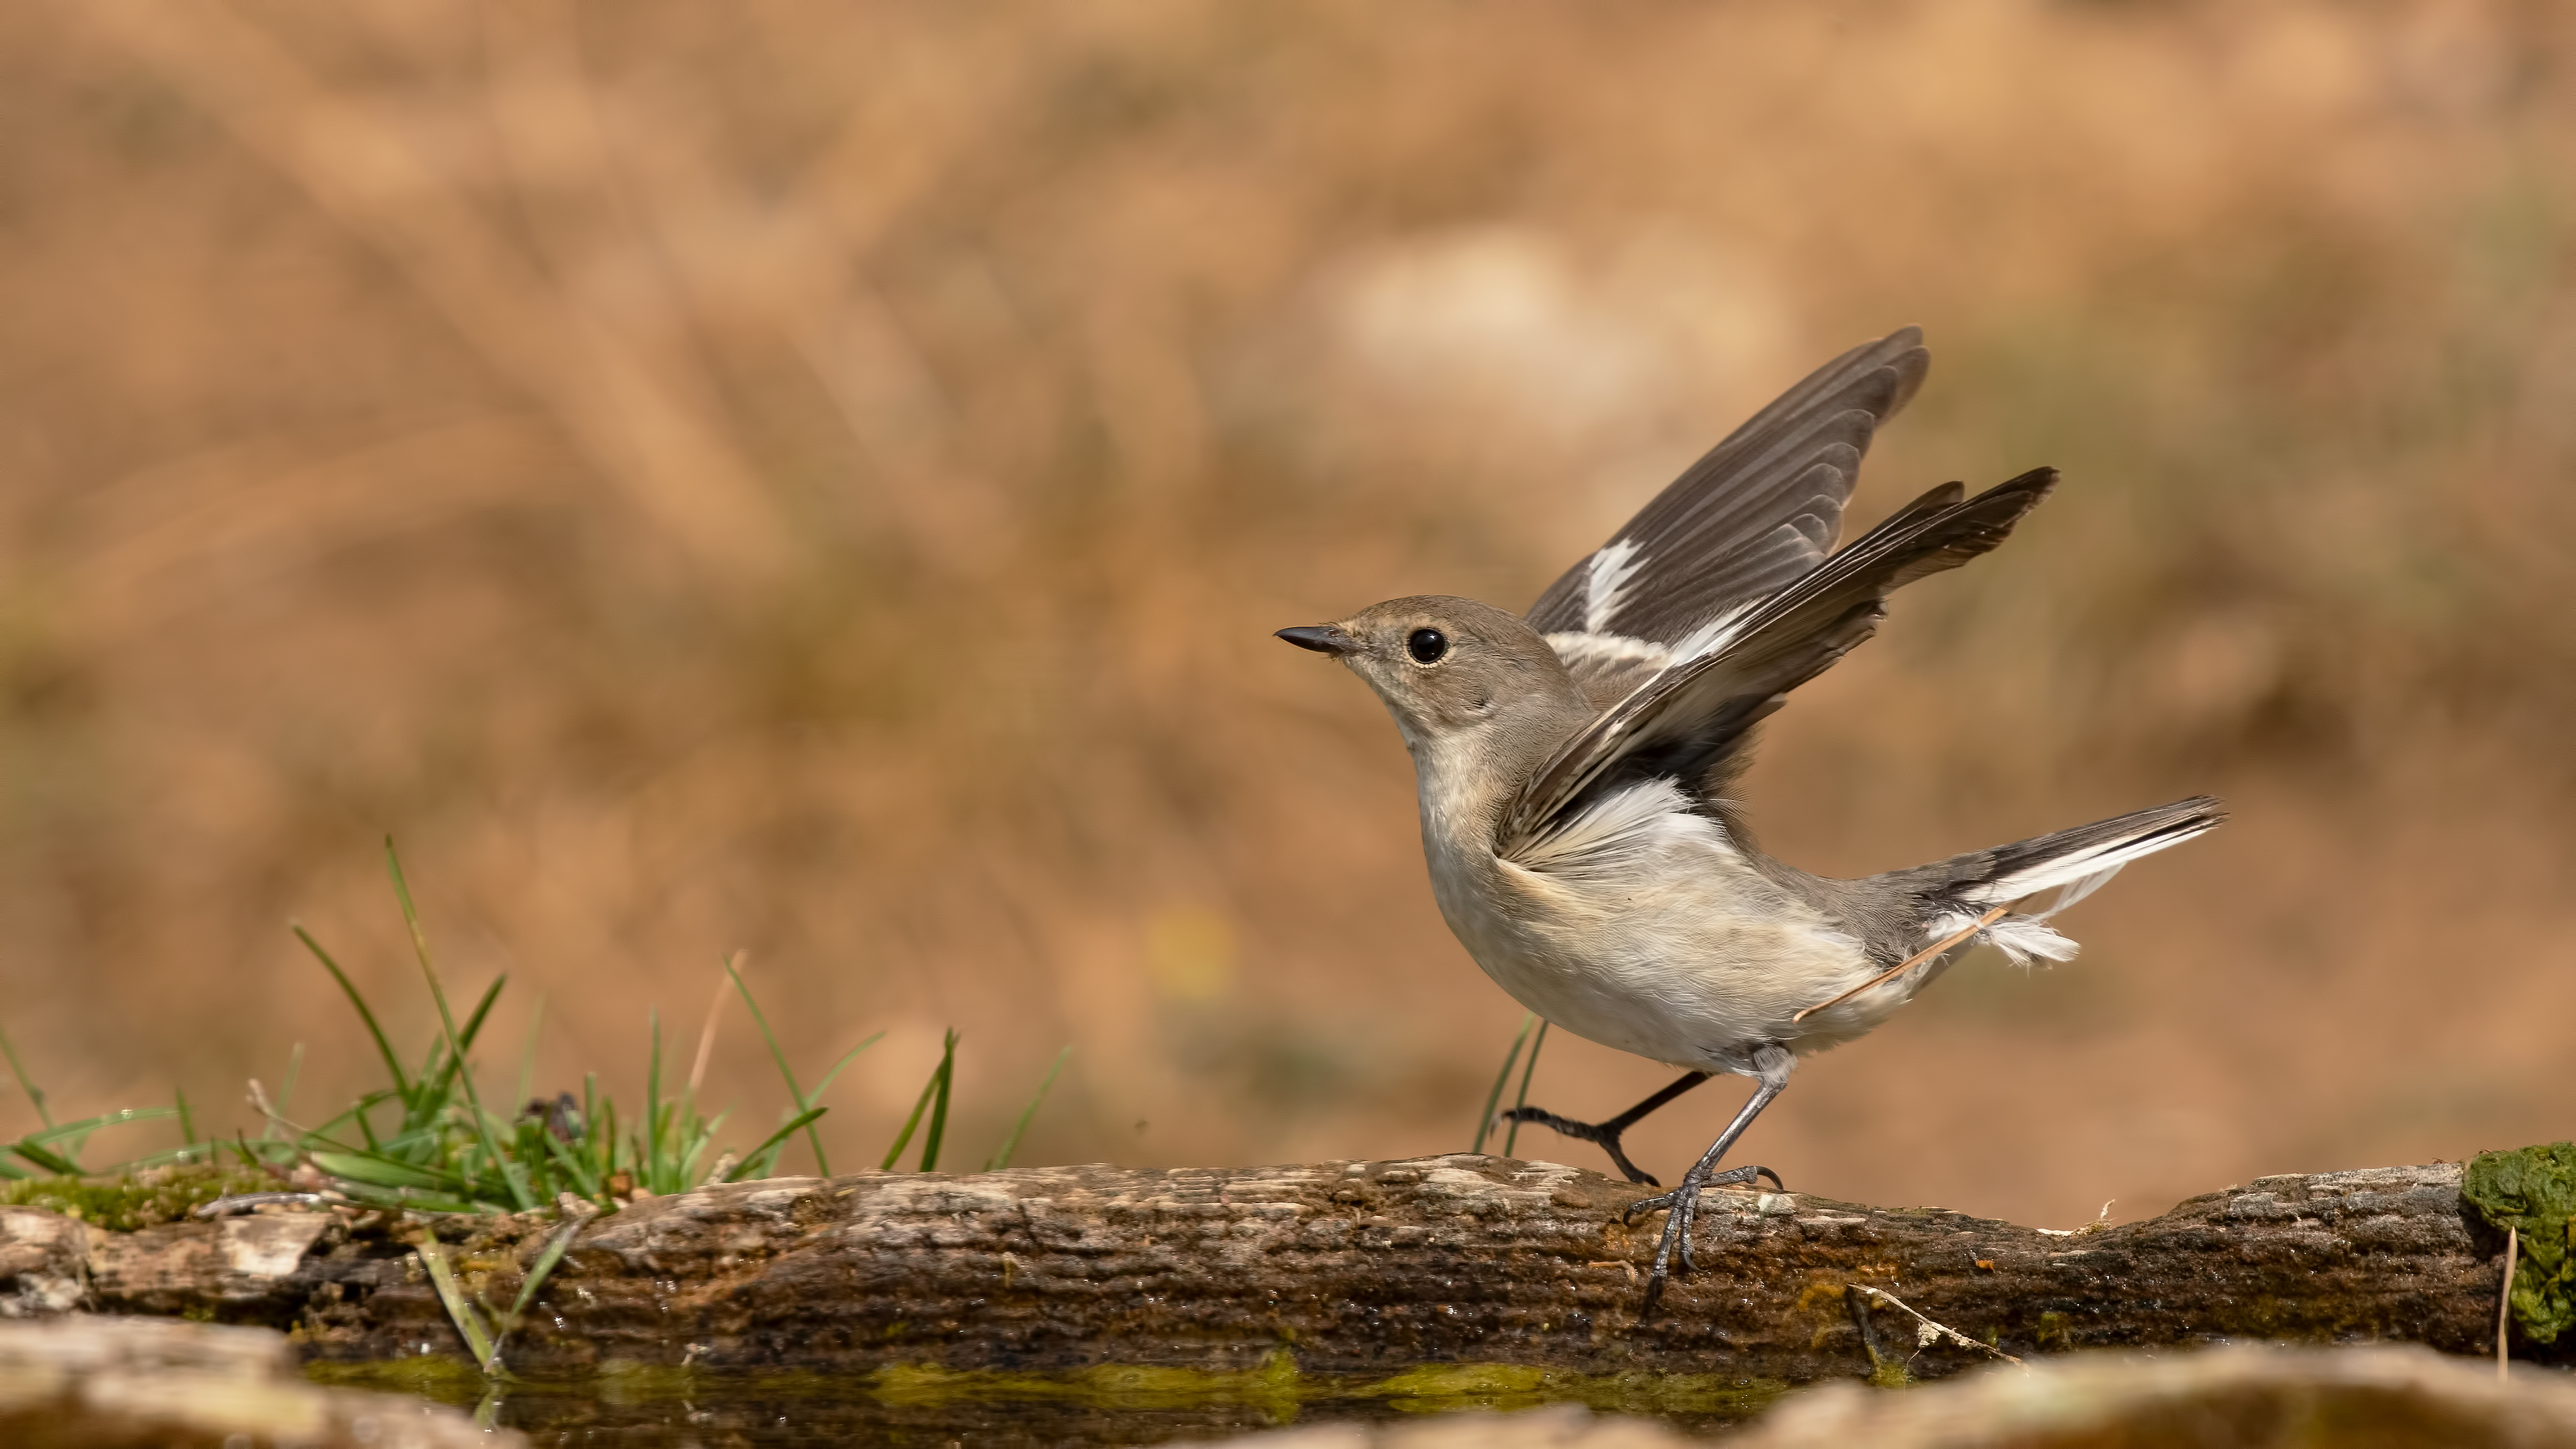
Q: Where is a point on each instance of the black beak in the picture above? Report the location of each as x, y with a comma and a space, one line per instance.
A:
1323, 639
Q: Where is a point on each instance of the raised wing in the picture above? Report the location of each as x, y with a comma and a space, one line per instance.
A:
1759, 510
1687, 721
1609, 667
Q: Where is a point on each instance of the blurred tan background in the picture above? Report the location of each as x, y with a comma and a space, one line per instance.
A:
820, 478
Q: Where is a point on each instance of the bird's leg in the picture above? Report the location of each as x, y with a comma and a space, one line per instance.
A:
1606, 1134
1683, 1201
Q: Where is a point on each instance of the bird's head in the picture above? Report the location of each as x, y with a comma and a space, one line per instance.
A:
1448, 667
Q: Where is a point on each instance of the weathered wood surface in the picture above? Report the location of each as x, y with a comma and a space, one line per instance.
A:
1355, 1267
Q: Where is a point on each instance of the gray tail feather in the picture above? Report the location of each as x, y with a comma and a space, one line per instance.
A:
2073, 857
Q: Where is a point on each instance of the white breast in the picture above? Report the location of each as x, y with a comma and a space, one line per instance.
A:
1641, 926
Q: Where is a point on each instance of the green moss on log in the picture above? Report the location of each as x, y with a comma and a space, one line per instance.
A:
141, 1200
2533, 1191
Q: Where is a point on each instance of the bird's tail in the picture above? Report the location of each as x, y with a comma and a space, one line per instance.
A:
2075, 863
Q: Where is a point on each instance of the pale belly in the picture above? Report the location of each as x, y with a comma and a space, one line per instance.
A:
1691, 958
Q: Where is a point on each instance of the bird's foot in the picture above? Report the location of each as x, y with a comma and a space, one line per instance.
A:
1604, 1135
1683, 1204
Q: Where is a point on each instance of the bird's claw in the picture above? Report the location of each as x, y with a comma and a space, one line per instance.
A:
1732, 1177
1603, 1135
1645, 1205
1683, 1203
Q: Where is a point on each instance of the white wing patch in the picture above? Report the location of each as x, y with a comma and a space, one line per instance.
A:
1608, 667
1610, 830
1613, 565
1578, 650
1717, 633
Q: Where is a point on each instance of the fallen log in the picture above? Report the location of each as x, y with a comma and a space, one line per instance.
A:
1331, 1268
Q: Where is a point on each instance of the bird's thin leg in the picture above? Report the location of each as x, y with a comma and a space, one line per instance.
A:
1606, 1134
1683, 1200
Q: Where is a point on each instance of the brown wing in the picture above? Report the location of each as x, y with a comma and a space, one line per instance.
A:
1759, 510
1689, 719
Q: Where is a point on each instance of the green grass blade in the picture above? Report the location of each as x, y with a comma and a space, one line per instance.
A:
443, 1066
87, 1125
375, 1171
538, 1272
330, 1125
939, 1105
482, 1009
366, 1127
405, 1200
1529, 1068
795, 1093
35, 1094
904, 1137
847, 1057
1494, 1098
185, 1152
776, 1140
598, 1140
40, 1147
46, 1158
447, 1019
683, 1140
528, 1053
294, 1070
460, 1310
527, 1149
652, 1107
604, 1131
1028, 1114
187, 1124
384, 1048
428, 1094
568, 1157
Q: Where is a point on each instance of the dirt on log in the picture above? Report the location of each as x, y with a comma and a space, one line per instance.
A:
1352, 1267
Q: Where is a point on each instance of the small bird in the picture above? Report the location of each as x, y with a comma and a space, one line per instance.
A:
1573, 767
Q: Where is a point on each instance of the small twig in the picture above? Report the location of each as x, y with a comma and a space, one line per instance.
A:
1910, 962
2504, 1296
277, 1120
259, 1103
2101, 1224
1856, 1303
707, 1033
1927, 1332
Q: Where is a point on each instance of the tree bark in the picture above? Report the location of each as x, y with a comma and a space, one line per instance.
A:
1351, 1267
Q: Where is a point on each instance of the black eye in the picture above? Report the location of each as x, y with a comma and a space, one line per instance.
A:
1426, 645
